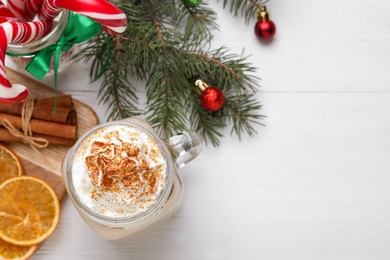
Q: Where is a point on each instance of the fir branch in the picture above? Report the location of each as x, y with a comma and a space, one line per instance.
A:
228, 70
240, 113
165, 45
165, 103
94, 51
157, 23
116, 89
236, 78
206, 124
247, 8
199, 21
165, 83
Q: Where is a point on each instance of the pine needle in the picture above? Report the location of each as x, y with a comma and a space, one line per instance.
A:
166, 45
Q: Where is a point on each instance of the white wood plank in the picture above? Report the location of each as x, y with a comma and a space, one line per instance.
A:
313, 184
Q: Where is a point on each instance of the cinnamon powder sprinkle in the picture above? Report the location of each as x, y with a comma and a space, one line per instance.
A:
115, 165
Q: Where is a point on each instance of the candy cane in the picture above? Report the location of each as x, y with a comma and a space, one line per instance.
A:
112, 18
17, 32
32, 7
6, 14
17, 8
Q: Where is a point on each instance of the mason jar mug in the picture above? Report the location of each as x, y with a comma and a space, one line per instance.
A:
122, 178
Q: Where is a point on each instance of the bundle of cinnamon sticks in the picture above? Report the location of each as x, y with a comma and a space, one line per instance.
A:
59, 127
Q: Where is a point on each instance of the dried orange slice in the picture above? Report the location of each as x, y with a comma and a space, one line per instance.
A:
12, 252
29, 210
10, 164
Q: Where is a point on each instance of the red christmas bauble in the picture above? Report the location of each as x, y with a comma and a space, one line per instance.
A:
265, 30
212, 99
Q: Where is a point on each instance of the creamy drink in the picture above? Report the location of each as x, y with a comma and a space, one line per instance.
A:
118, 171
122, 178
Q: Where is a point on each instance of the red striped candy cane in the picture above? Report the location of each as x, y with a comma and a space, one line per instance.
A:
17, 8
32, 7
112, 18
5, 13
17, 32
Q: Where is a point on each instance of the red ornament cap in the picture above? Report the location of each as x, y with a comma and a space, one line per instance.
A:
265, 29
211, 98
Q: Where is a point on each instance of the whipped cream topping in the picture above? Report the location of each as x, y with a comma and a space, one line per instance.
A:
118, 171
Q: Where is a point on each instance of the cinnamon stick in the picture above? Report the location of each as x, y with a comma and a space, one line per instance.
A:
42, 127
5, 135
62, 101
43, 111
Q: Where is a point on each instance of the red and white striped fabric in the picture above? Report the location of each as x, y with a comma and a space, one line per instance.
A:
17, 32
112, 18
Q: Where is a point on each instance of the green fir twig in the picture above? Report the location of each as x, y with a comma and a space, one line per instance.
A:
166, 46
247, 8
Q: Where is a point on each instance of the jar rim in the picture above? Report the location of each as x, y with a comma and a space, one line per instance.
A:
116, 221
49, 39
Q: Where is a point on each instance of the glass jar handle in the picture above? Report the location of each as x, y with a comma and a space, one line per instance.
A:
184, 147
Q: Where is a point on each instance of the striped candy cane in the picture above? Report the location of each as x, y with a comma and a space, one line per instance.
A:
17, 8
17, 32
32, 7
112, 18
5, 13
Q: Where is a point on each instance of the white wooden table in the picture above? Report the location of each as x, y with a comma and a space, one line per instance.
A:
313, 184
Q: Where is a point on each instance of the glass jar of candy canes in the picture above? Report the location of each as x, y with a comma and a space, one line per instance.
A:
23, 54
19, 37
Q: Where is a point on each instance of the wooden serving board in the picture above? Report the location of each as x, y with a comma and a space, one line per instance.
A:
47, 163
